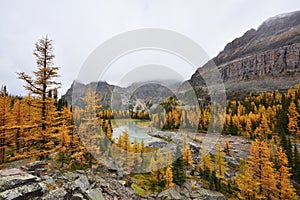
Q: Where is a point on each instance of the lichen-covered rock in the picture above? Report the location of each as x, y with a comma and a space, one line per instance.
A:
10, 182
24, 192
94, 194
169, 194
82, 182
57, 194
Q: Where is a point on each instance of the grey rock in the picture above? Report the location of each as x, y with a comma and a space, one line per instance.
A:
82, 182
36, 165
207, 195
57, 194
10, 172
94, 194
23, 192
9, 182
71, 176
77, 196
169, 194
231, 160
122, 182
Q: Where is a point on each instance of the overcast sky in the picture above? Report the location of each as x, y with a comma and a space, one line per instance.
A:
77, 27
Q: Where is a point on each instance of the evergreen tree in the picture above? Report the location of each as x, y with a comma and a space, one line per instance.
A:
296, 167
178, 168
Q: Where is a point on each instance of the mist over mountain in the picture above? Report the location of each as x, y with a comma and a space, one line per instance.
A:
265, 59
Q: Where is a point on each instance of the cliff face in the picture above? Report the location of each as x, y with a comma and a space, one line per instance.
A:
276, 62
260, 58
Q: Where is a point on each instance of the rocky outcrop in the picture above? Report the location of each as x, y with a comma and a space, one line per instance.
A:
282, 61
261, 60
16, 184
187, 192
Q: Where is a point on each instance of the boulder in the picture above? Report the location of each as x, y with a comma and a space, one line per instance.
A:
57, 194
94, 194
169, 194
36, 165
207, 195
10, 182
82, 182
10, 172
70, 176
27, 191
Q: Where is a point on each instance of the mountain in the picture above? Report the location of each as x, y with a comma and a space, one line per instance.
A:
261, 60
140, 93
265, 59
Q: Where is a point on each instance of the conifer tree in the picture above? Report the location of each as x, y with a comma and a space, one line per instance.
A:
293, 125
169, 177
178, 168
296, 167
220, 164
157, 167
205, 160
285, 189
262, 169
247, 185
41, 85
187, 155
4, 117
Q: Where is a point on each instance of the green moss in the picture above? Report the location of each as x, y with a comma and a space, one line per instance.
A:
138, 189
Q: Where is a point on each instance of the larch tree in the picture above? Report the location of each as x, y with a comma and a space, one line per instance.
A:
205, 161
220, 164
293, 115
262, 169
285, 188
187, 155
89, 127
18, 115
157, 167
42, 83
248, 187
263, 129
169, 177
4, 117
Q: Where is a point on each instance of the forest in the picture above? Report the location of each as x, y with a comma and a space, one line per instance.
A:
43, 127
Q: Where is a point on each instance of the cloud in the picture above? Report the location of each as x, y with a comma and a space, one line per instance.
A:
78, 27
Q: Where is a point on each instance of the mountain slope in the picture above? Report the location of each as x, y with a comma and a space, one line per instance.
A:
264, 59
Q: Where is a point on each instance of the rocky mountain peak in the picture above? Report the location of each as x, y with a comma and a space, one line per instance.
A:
275, 32
260, 60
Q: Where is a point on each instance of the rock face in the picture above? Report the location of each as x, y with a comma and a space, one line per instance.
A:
276, 62
186, 192
16, 184
260, 58
19, 185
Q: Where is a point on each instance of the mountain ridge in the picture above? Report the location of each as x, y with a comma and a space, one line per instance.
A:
257, 59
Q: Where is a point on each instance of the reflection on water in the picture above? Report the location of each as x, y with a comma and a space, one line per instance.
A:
136, 128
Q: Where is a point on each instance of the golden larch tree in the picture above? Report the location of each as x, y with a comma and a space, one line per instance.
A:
205, 160
285, 188
220, 164
169, 177
293, 115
